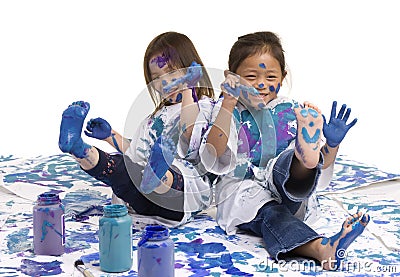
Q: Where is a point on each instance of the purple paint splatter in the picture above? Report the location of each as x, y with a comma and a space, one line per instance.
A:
161, 61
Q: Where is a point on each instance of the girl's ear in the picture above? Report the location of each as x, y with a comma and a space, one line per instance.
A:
283, 77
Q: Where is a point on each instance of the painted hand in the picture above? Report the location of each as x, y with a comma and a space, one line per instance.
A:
193, 76
241, 90
336, 129
161, 157
98, 128
231, 85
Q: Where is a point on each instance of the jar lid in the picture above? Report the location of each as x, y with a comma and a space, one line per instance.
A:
48, 198
154, 232
115, 210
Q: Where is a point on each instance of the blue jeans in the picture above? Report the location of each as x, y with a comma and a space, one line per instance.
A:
276, 223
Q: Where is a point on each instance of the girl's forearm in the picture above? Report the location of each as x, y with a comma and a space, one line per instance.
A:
117, 141
189, 113
329, 155
220, 131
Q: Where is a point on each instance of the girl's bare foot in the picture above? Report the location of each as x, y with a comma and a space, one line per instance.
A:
309, 130
334, 248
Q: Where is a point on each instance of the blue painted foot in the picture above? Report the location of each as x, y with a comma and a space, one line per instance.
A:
70, 140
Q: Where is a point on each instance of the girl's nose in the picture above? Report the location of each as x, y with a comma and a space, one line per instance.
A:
260, 85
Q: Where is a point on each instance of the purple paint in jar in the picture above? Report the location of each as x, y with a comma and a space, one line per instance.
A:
48, 225
156, 252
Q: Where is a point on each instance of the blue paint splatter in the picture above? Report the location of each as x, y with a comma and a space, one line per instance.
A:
178, 98
313, 112
10, 203
262, 65
161, 157
81, 204
89, 258
77, 241
215, 230
381, 221
211, 255
50, 172
19, 241
261, 105
158, 126
185, 230
271, 88
33, 268
307, 137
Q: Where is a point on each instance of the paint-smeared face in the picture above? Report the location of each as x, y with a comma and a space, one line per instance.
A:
162, 74
263, 72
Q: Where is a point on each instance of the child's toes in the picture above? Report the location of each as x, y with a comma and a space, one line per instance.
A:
365, 219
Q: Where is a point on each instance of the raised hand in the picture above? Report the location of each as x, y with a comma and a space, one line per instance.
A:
231, 85
98, 128
336, 129
193, 75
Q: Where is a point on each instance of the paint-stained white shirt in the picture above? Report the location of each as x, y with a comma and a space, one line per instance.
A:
198, 193
247, 181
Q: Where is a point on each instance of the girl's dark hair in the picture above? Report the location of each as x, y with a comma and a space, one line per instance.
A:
256, 43
181, 53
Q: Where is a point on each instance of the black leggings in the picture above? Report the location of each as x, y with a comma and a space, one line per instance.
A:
124, 177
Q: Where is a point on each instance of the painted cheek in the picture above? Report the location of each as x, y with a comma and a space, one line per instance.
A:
271, 88
278, 87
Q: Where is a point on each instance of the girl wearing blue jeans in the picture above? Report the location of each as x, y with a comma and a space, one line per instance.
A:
268, 151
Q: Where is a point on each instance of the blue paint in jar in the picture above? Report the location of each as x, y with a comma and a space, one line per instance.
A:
156, 252
48, 225
115, 239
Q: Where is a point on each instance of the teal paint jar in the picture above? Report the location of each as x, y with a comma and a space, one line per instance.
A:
115, 239
156, 253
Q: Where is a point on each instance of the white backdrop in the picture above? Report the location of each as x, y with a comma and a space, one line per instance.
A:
55, 52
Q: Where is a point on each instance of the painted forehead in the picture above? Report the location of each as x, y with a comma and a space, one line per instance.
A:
265, 67
262, 65
263, 59
160, 60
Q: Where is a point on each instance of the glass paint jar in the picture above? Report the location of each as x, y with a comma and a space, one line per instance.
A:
115, 239
156, 253
48, 225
